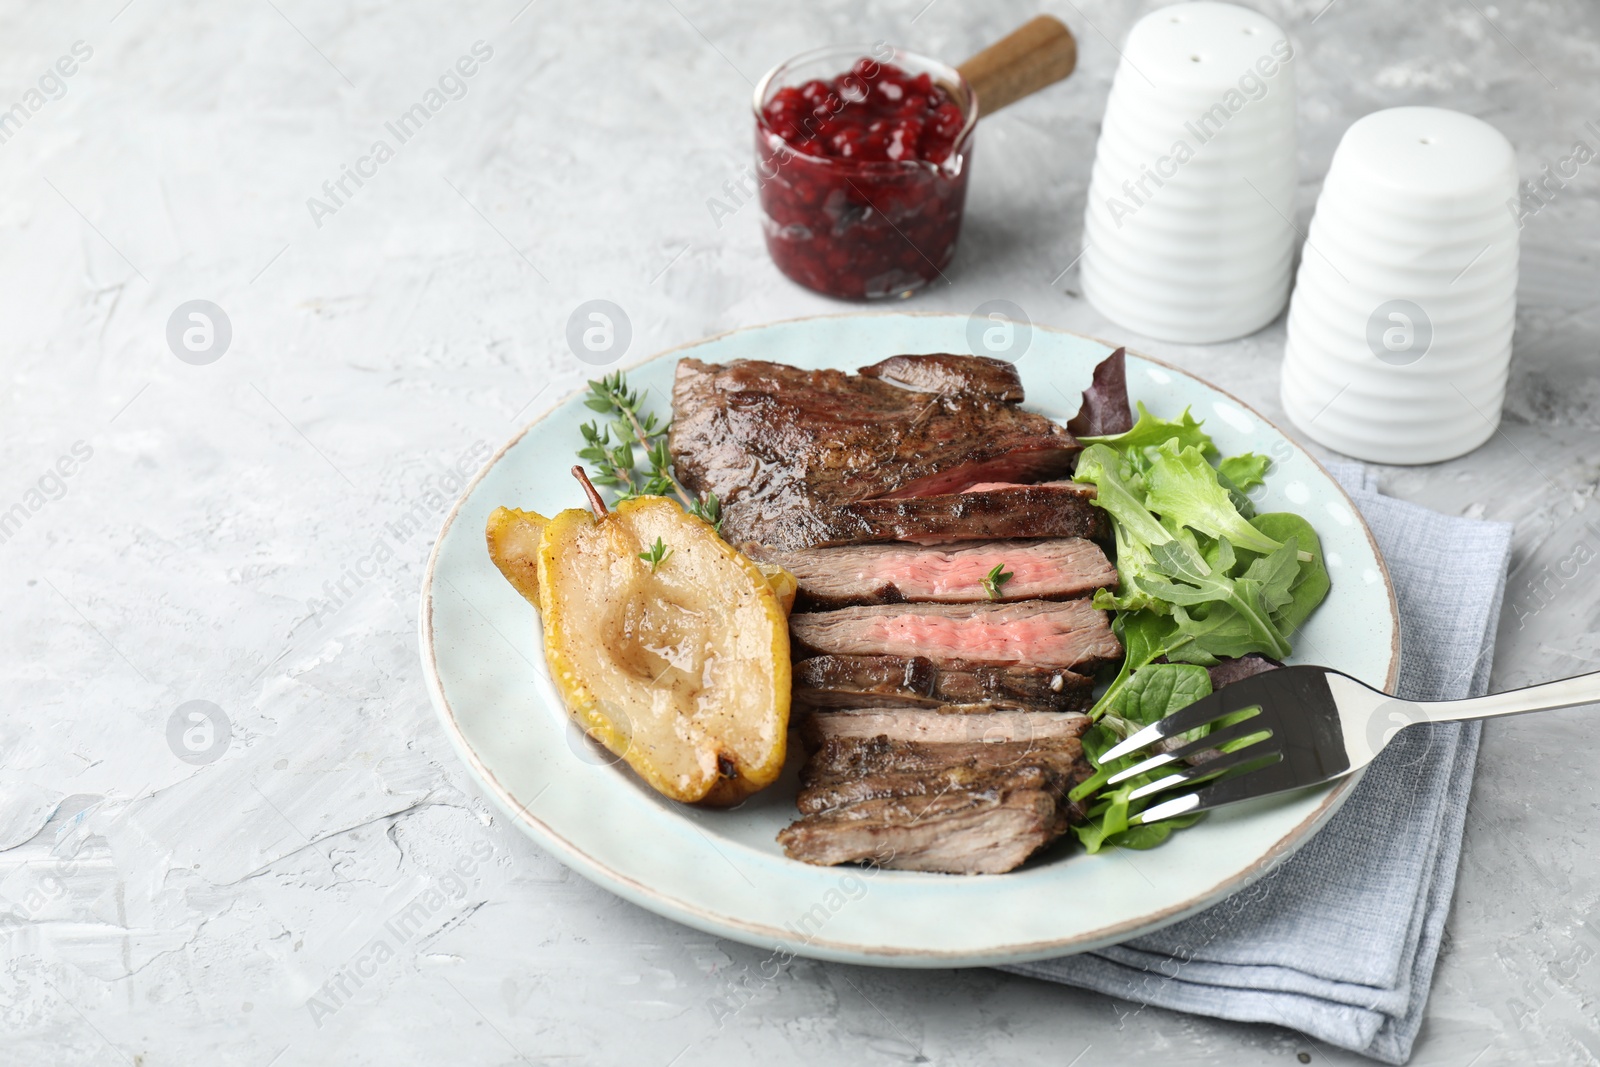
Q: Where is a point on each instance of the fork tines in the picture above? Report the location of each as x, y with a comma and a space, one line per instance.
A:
1292, 738
1214, 739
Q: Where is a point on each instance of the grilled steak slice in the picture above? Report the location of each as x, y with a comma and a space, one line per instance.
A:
951, 375
832, 794
783, 447
847, 759
1030, 633
1059, 509
988, 832
991, 804
915, 681
846, 770
1053, 569
932, 727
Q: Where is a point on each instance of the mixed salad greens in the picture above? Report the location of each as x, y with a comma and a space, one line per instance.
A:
1203, 578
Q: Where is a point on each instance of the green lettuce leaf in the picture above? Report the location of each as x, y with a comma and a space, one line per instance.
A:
1119, 492
1244, 471
1101, 467
1181, 486
1150, 431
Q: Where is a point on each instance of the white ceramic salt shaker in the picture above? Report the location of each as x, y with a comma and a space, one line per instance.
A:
1186, 230
1399, 331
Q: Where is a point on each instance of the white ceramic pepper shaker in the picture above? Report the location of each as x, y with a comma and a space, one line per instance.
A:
1399, 332
1187, 233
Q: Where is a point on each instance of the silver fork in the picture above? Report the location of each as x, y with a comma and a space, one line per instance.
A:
1309, 725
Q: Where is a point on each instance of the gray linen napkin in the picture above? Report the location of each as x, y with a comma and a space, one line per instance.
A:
1340, 941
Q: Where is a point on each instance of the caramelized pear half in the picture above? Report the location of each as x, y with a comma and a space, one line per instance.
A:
681, 668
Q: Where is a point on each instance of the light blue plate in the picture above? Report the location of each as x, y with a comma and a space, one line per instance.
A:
721, 871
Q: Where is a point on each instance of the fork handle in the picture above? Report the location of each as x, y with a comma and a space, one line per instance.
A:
1566, 693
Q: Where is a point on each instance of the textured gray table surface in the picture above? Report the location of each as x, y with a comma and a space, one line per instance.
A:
251, 532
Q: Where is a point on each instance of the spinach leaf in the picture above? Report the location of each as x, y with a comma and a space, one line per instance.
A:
1144, 636
1143, 837
1159, 689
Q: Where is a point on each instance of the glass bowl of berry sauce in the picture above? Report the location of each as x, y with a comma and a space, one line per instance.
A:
862, 157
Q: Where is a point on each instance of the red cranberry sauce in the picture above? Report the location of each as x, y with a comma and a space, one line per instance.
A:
862, 186
873, 112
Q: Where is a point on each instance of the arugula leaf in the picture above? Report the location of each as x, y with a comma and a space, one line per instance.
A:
1245, 596
1221, 631
1277, 574
1311, 584
1151, 431
1182, 487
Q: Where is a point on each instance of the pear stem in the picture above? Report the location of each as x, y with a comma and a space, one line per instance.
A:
596, 505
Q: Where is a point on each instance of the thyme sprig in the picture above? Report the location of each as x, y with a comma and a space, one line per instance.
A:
995, 580
611, 449
656, 555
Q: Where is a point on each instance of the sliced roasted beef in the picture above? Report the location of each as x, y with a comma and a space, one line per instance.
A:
916, 681
1053, 569
1056, 509
994, 802
840, 792
785, 449
934, 727
1030, 633
848, 758
845, 770
986, 832
995, 379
